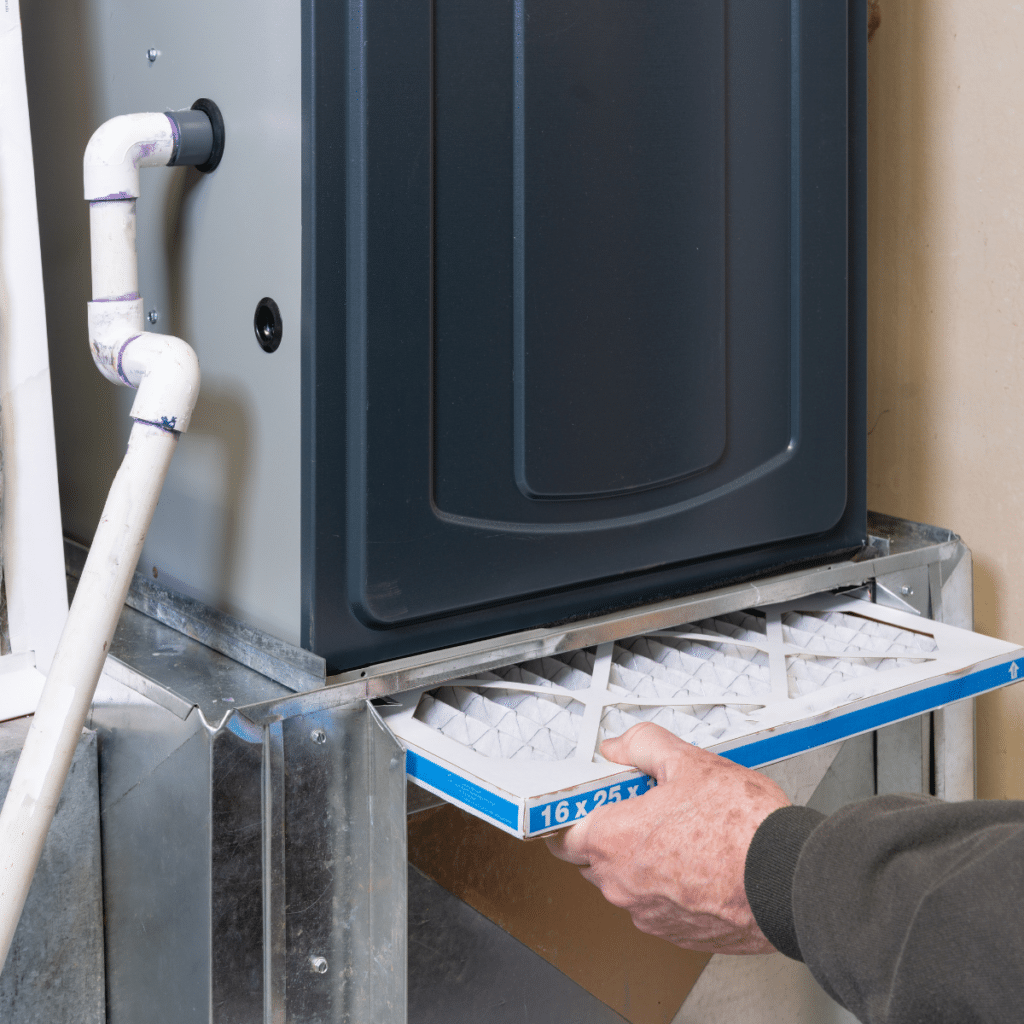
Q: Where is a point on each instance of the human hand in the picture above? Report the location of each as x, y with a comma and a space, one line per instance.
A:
674, 857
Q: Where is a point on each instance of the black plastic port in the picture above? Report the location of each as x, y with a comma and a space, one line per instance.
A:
267, 324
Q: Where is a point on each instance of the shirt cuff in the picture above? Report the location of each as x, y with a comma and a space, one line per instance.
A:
770, 867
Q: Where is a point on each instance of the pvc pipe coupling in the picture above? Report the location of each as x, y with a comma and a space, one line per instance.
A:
198, 136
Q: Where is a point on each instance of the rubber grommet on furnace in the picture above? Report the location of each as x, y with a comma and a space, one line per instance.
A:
267, 324
212, 111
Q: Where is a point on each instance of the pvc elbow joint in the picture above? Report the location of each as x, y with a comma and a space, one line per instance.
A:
118, 148
166, 372
164, 369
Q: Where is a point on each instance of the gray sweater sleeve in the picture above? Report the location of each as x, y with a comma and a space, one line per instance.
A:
905, 909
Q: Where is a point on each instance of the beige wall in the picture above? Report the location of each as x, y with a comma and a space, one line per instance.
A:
946, 316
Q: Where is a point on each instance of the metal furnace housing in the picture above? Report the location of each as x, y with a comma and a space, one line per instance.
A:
569, 302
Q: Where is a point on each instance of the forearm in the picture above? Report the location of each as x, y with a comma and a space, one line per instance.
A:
904, 908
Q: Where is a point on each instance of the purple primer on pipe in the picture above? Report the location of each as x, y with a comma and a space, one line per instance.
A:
147, 149
176, 135
120, 357
113, 198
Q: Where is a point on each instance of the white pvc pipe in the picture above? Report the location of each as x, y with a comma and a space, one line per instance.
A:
115, 269
71, 683
166, 373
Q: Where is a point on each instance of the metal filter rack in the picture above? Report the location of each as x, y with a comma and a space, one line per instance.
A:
254, 833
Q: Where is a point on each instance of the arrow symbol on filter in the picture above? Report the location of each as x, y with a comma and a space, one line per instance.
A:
1014, 671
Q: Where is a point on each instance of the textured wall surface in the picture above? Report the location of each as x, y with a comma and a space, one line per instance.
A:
946, 317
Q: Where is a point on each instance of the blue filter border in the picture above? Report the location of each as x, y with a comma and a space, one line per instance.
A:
469, 793
841, 727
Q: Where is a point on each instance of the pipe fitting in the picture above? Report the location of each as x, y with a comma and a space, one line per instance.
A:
119, 147
166, 372
164, 369
111, 324
198, 136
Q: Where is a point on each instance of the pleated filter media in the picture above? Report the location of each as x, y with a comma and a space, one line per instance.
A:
520, 746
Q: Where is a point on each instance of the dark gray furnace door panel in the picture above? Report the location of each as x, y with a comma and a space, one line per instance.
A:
582, 314
617, 237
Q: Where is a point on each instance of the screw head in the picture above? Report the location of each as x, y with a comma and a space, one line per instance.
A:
152, 54
318, 965
906, 591
153, 316
318, 736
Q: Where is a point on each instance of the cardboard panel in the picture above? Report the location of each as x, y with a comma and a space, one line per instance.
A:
548, 906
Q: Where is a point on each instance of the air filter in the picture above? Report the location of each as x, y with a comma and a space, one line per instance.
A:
520, 746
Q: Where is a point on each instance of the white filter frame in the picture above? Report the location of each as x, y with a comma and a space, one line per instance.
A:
527, 797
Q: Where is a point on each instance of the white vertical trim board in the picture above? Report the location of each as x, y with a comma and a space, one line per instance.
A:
33, 554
